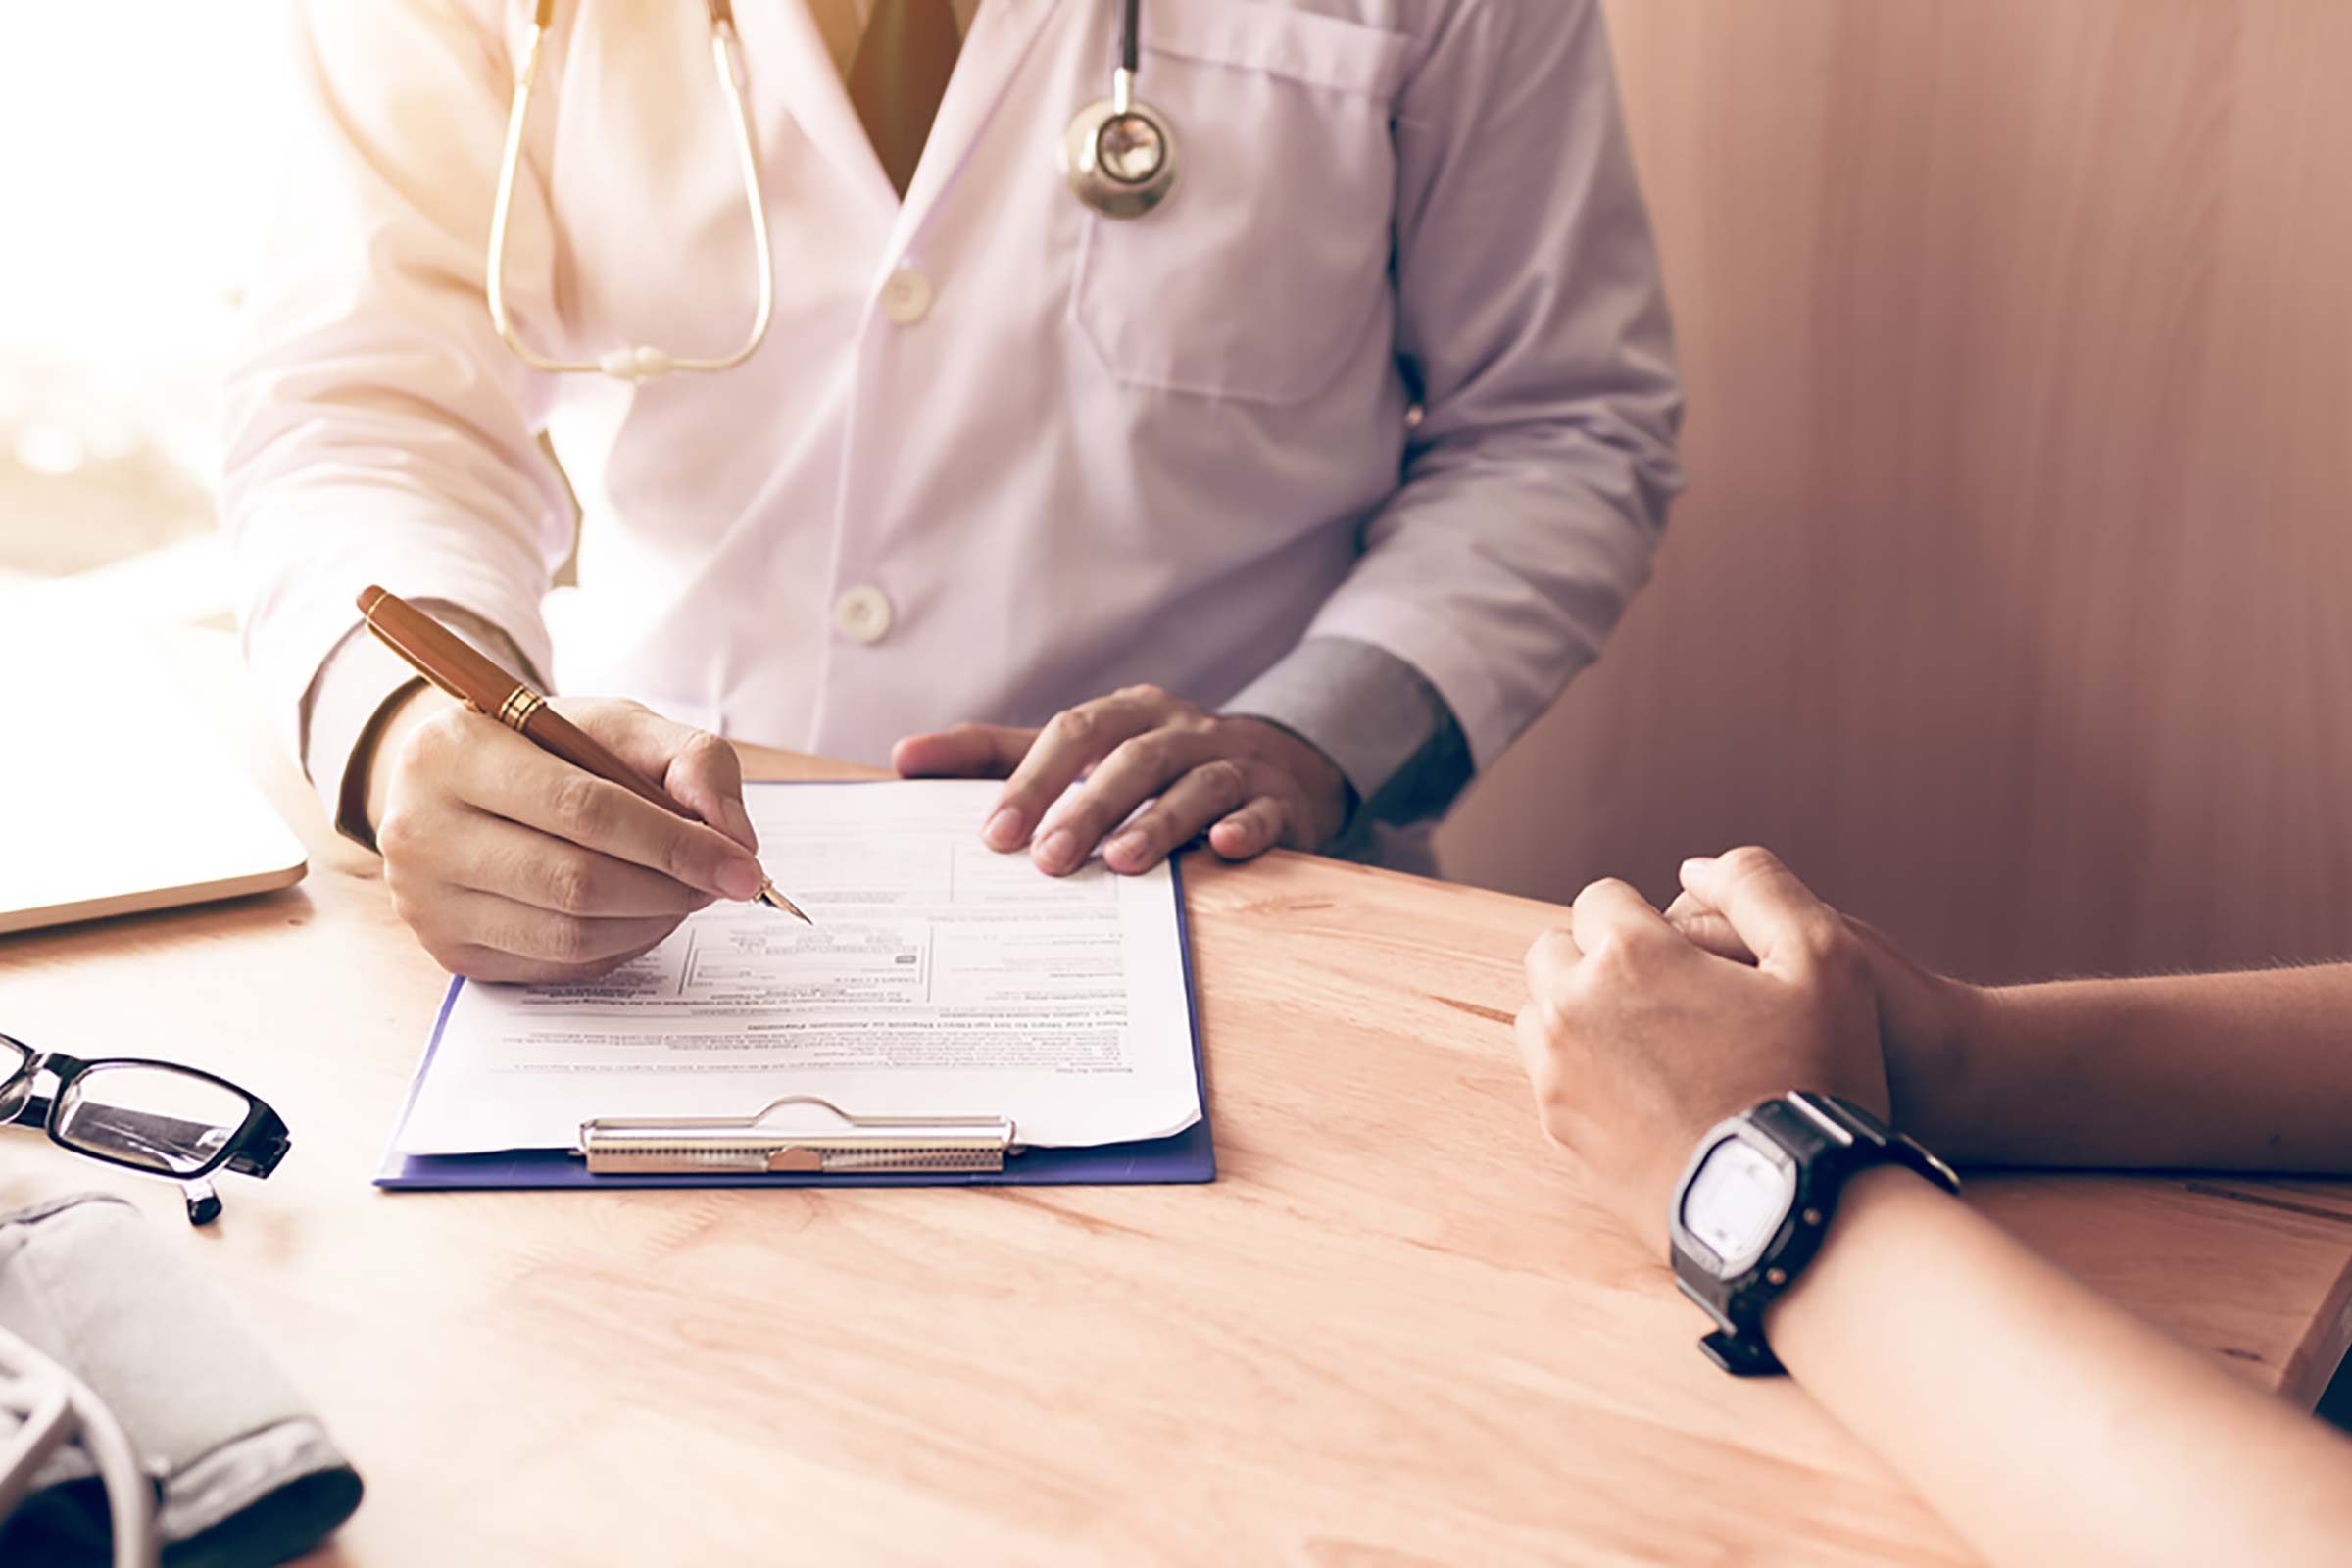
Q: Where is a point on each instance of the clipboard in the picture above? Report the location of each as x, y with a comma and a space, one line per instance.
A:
752, 1152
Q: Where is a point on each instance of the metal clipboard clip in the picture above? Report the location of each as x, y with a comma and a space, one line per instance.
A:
821, 1140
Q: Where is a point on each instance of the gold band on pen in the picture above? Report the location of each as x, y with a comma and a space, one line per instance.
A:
521, 703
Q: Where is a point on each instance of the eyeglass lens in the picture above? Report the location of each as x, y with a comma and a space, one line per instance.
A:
172, 1123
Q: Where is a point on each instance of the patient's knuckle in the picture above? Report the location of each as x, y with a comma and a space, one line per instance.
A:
1605, 887
1750, 860
1555, 1015
1615, 958
1146, 693
1831, 947
1075, 727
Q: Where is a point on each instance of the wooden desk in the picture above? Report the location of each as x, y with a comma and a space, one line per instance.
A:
1392, 1331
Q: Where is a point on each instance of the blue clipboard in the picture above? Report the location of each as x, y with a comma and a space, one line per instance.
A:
1186, 1157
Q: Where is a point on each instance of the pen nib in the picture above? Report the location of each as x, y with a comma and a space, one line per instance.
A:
777, 900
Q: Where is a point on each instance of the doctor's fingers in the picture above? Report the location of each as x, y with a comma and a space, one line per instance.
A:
485, 936
1074, 741
1204, 795
1161, 761
1252, 830
475, 851
694, 766
969, 751
523, 784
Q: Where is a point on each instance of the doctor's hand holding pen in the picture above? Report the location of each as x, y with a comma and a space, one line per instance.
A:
1246, 783
512, 864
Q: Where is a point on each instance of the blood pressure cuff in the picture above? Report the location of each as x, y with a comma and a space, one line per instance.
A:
246, 1476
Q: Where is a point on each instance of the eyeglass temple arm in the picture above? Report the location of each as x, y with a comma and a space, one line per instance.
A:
31, 1112
262, 1146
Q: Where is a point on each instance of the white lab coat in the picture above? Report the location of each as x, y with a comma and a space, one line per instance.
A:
998, 455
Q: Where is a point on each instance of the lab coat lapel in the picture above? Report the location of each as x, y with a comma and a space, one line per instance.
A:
1002, 31
793, 77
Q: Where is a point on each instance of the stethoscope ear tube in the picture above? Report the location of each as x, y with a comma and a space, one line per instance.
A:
638, 362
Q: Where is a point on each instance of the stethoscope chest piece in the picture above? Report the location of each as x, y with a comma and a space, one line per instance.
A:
1121, 156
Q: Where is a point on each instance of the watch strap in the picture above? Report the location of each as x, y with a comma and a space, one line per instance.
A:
1829, 1139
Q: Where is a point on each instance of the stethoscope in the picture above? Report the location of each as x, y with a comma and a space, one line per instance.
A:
1119, 156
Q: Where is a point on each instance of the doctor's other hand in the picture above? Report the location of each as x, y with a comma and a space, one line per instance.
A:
1248, 783
1638, 1040
512, 864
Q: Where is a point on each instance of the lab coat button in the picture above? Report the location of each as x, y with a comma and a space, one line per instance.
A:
863, 614
906, 296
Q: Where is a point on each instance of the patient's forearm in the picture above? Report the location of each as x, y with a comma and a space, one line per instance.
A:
2238, 1071
2046, 1424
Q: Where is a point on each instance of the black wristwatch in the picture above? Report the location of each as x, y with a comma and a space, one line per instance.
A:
1750, 1209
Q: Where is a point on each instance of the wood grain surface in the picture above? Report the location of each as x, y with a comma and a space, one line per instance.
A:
2012, 598
1392, 1331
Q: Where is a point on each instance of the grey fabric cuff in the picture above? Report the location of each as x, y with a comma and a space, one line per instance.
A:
1381, 722
247, 1476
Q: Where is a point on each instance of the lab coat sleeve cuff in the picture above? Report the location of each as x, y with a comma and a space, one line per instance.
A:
1377, 719
357, 687
291, 629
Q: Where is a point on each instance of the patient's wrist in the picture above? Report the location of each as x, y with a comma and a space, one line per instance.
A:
1859, 1268
1942, 1072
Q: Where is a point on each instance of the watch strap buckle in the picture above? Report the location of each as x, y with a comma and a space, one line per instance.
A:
1742, 1356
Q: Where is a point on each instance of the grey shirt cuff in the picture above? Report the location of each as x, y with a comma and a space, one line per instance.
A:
1378, 720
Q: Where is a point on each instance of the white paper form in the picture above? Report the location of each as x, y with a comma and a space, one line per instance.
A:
940, 979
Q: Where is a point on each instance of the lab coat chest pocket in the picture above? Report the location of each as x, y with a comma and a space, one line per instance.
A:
1269, 263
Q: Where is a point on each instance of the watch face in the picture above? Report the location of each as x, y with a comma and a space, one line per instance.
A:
1735, 1200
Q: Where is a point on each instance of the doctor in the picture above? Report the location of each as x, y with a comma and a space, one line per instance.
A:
1269, 433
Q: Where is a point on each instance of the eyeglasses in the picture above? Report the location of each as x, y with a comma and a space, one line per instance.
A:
153, 1117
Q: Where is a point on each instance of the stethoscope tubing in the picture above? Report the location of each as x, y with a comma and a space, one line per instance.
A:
1107, 195
65, 1406
640, 363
